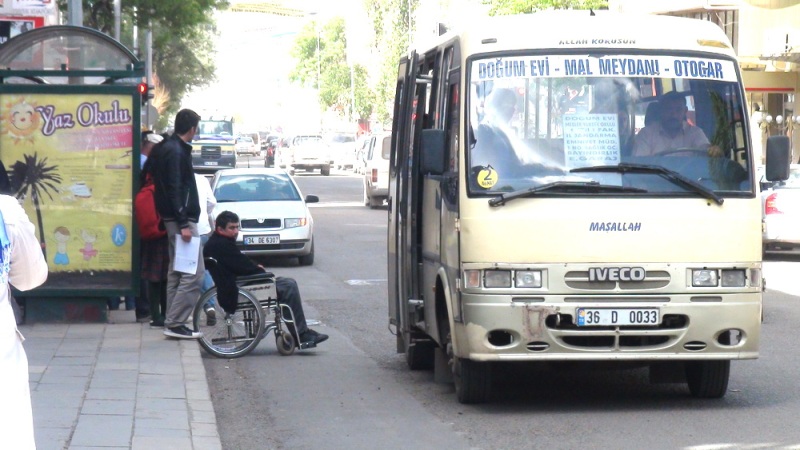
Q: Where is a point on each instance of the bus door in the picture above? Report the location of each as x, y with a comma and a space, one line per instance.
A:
439, 211
398, 200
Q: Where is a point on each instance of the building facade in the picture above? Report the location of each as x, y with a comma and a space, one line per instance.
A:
766, 36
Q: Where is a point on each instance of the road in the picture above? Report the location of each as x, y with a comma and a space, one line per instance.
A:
355, 392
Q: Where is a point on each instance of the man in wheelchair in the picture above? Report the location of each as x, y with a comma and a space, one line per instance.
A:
231, 262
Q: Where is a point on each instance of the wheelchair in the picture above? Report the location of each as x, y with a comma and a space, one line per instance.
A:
257, 314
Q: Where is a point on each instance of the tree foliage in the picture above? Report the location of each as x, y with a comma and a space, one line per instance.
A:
507, 7
321, 54
393, 26
183, 41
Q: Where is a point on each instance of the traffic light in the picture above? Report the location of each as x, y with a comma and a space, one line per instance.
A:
146, 92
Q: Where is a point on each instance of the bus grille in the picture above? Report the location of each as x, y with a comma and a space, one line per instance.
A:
654, 279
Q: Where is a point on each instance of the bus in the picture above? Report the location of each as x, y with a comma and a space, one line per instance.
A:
213, 147
575, 187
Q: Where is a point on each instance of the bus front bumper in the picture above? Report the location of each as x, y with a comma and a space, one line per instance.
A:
494, 328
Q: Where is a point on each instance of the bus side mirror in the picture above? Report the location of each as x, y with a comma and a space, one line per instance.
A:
778, 158
433, 151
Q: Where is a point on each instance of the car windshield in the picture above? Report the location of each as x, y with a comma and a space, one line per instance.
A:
307, 140
545, 119
246, 140
342, 138
209, 127
255, 188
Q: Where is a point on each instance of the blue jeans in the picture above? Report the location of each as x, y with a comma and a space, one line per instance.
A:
208, 282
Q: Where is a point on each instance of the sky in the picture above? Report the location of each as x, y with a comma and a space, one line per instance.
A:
253, 60
253, 63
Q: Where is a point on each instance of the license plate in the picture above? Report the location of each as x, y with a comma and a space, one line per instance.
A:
210, 163
262, 240
589, 317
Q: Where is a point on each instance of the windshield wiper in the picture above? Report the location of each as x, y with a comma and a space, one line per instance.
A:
665, 173
580, 186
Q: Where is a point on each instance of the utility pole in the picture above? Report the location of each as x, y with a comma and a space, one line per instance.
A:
148, 67
75, 12
117, 18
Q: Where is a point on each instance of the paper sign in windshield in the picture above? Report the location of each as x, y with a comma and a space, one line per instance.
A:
591, 140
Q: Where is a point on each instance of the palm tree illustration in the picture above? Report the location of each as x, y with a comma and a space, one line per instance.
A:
35, 178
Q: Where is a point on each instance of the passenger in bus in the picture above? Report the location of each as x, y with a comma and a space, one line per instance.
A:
671, 131
493, 145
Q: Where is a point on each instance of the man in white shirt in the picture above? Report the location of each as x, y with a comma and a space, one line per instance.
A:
23, 266
204, 229
671, 132
149, 140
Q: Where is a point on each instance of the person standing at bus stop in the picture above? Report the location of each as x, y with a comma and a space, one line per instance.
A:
178, 204
22, 265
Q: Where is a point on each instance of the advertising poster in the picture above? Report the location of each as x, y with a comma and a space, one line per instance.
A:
69, 157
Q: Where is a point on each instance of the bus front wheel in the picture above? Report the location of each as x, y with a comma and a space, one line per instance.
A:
473, 380
708, 379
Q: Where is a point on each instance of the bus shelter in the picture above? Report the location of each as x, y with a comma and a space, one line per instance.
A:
70, 115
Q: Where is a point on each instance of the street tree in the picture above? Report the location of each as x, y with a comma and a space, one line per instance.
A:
183, 41
507, 7
393, 27
320, 51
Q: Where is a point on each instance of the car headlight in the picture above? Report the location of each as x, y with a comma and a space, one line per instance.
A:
528, 279
704, 278
497, 278
733, 278
294, 223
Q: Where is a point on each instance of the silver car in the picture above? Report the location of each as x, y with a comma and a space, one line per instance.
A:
274, 218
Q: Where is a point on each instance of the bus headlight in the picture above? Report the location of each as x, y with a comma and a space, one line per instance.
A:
704, 278
528, 279
497, 278
733, 278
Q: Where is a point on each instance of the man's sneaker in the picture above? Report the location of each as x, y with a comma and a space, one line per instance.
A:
211, 316
181, 332
312, 336
157, 323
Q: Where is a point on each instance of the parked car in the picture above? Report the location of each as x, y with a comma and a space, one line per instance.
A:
304, 152
342, 150
246, 146
376, 169
273, 214
780, 210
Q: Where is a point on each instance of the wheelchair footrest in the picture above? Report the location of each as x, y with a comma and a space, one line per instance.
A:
305, 345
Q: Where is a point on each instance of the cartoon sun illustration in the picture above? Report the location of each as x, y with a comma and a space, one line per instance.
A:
20, 119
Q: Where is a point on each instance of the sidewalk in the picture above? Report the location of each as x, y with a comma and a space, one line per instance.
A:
118, 385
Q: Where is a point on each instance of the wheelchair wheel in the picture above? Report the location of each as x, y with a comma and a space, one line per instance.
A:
285, 342
227, 336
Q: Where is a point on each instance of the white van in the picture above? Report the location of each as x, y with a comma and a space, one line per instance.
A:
376, 169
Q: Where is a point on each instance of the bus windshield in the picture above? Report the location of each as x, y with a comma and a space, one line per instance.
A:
582, 119
216, 127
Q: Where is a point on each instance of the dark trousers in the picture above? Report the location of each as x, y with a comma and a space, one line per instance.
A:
157, 296
289, 294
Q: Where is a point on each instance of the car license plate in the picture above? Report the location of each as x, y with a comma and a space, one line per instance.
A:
262, 240
589, 317
210, 163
